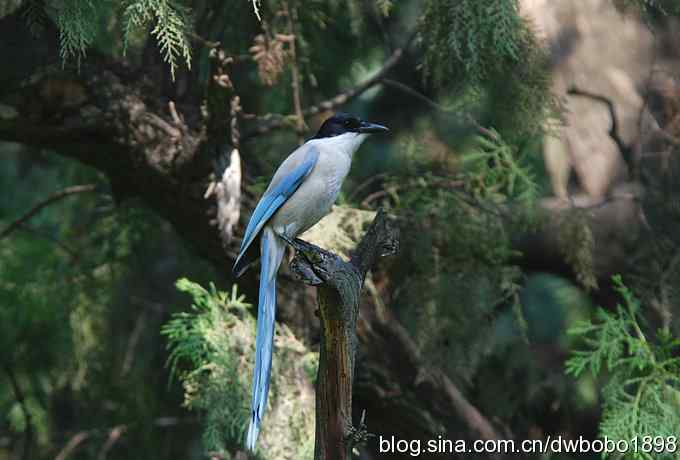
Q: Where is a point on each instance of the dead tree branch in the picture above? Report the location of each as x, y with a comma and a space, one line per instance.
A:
339, 288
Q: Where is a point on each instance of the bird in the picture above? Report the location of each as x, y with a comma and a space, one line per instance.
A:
301, 192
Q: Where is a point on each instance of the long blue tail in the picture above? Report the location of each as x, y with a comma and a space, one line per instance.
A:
272, 249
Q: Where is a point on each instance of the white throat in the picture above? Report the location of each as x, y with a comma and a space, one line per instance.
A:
346, 143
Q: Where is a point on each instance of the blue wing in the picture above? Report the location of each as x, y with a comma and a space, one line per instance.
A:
286, 181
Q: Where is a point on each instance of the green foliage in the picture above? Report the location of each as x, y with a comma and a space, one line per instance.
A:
384, 6
487, 49
642, 395
35, 16
8, 6
36, 332
649, 9
577, 244
78, 24
80, 283
519, 98
457, 245
212, 382
471, 38
455, 286
211, 352
172, 25
498, 172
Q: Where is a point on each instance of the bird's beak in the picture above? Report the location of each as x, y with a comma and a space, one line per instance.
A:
371, 128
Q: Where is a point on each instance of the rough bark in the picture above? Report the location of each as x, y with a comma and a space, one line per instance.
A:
112, 118
339, 290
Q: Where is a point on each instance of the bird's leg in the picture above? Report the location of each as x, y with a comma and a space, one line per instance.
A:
291, 247
310, 264
304, 272
298, 245
287, 239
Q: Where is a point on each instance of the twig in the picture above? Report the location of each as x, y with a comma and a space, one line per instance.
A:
176, 118
156, 309
75, 257
207, 43
365, 184
234, 111
132, 343
418, 95
665, 135
464, 116
72, 445
377, 195
407, 368
46, 202
163, 125
481, 129
295, 73
441, 183
387, 39
21, 400
114, 435
474, 419
475, 203
280, 121
637, 145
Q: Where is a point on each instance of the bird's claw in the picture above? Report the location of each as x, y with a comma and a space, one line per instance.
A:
308, 263
304, 272
287, 239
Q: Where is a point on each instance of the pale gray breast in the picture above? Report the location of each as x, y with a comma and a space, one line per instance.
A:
333, 168
315, 197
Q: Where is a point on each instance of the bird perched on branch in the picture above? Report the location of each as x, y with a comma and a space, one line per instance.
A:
301, 192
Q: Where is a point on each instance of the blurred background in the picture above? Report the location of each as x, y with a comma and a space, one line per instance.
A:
531, 168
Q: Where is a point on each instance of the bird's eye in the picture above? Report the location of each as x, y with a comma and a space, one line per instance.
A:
351, 123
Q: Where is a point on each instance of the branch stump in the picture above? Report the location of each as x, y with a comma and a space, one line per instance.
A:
339, 286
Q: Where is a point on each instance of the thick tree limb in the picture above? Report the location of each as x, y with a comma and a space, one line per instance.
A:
109, 119
339, 287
